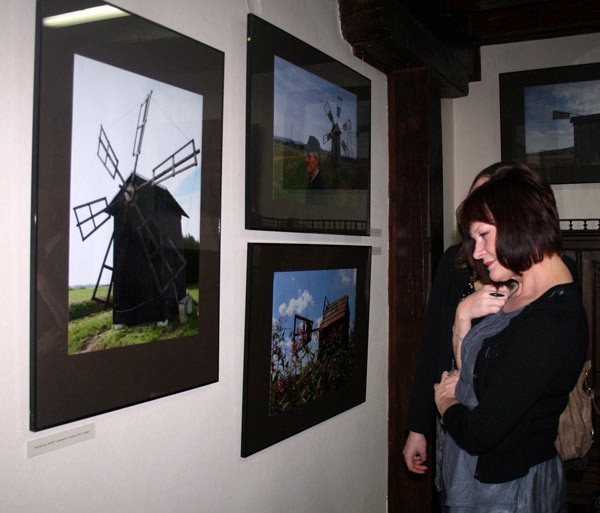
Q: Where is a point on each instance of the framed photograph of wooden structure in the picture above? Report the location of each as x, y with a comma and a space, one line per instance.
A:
307, 325
307, 137
551, 118
126, 212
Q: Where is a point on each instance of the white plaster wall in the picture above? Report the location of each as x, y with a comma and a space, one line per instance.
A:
472, 124
181, 454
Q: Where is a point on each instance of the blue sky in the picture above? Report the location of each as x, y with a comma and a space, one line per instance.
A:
544, 133
300, 97
111, 97
302, 293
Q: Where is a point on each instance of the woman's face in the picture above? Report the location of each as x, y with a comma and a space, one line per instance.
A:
484, 235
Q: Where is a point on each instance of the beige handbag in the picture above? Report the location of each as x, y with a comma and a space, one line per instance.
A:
575, 425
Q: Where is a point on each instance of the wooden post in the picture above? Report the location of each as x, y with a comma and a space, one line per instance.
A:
415, 225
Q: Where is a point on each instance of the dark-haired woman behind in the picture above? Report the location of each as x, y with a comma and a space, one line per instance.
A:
518, 366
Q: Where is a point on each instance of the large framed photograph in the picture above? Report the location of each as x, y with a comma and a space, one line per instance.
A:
307, 325
308, 132
551, 118
126, 212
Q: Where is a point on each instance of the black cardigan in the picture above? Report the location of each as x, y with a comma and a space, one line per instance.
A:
522, 378
435, 348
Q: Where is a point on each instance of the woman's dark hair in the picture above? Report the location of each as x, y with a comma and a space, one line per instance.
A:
461, 260
520, 203
491, 170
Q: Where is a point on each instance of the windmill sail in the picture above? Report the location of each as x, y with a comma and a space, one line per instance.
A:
107, 300
141, 125
139, 131
107, 155
90, 216
179, 161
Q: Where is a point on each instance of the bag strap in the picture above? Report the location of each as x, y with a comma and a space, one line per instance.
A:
588, 389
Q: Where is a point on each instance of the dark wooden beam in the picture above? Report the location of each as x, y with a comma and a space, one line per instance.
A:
486, 5
387, 36
416, 241
536, 21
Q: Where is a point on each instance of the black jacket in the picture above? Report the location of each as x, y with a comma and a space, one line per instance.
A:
435, 349
522, 378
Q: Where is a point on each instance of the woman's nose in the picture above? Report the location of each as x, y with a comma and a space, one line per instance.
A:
478, 251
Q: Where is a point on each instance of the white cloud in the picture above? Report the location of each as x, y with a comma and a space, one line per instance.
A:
296, 305
348, 276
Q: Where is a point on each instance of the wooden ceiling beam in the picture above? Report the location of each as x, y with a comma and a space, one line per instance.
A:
486, 5
387, 36
538, 20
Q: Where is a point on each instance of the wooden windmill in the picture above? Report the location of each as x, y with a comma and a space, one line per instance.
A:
336, 132
148, 267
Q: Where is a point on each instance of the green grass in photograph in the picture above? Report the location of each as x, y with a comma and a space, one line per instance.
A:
289, 173
91, 327
79, 294
290, 180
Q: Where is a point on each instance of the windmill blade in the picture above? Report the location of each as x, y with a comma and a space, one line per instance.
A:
339, 107
176, 163
107, 156
328, 111
345, 148
175, 268
141, 125
347, 125
91, 216
139, 131
107, 300
154, 249
149, 238
326, 138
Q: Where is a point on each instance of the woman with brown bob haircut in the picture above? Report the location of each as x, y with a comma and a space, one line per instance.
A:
516, 367
525, 216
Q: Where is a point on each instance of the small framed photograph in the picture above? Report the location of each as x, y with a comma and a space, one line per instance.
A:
126, 209
550, 118
308, 132
307, 325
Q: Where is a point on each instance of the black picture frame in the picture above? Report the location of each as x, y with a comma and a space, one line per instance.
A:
295, 92
69, 384
294, 383
550, 118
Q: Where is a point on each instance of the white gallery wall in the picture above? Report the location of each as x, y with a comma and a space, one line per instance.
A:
181, 454
472, 124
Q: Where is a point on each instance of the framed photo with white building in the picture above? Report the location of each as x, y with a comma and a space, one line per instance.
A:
550, 118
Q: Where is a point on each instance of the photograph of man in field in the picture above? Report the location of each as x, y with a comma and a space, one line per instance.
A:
313, 118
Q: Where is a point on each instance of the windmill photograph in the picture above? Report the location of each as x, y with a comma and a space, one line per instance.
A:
307, 107
307, 335
562, 124
135, 209
312, 336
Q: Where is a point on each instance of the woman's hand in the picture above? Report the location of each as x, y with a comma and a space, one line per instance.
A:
445, 391
488, 299
415, 452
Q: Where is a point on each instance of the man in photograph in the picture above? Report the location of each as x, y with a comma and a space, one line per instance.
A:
315, 177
